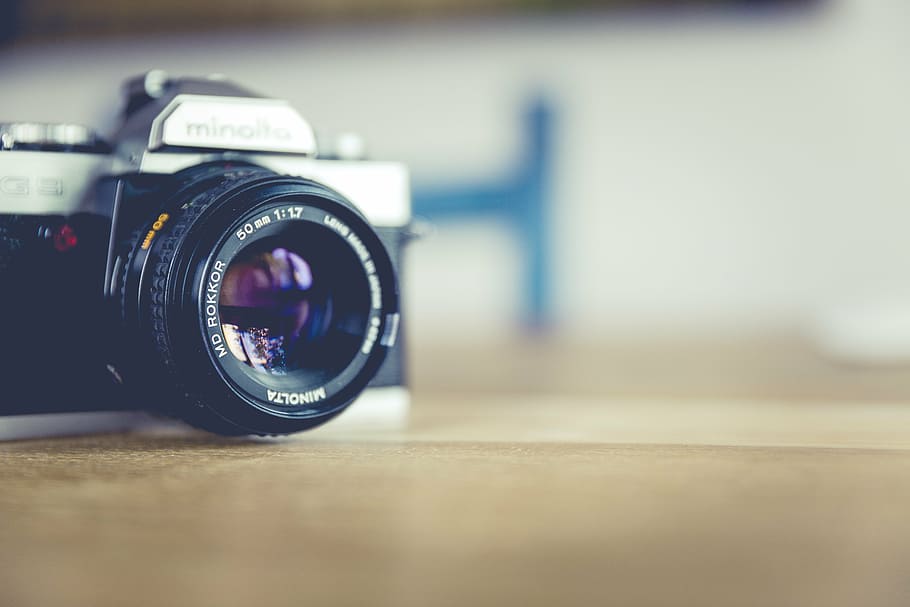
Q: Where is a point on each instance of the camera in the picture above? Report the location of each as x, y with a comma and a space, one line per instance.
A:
205, 262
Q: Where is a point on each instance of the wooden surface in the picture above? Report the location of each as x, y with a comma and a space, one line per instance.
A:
498, 500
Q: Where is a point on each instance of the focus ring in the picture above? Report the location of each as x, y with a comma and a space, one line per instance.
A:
193, 409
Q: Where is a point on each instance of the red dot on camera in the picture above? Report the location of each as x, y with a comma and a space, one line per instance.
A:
65, 238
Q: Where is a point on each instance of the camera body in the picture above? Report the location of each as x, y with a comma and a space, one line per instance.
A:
207, 263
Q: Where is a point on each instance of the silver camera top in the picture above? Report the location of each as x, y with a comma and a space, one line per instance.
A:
212, 114
170, 124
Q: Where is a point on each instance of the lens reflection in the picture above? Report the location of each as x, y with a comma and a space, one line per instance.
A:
268, 305
295, 305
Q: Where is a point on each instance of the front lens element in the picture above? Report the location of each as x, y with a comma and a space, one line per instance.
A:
295, 304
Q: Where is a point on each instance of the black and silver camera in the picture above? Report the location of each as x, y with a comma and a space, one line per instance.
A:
206, 263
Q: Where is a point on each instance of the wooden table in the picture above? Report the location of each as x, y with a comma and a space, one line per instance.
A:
497, 500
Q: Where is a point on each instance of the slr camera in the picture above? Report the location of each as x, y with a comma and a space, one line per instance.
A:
206, 263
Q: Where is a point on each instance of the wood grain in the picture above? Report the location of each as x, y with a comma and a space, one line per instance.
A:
525, 500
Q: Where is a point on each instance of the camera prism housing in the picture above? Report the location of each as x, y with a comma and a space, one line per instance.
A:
207, 263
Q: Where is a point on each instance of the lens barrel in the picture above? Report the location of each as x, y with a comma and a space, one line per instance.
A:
266, 300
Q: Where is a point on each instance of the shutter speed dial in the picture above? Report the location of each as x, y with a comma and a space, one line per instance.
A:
50, 137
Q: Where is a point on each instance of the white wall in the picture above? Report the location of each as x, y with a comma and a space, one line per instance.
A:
716, 172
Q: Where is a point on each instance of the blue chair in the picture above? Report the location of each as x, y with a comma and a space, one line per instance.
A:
522, 199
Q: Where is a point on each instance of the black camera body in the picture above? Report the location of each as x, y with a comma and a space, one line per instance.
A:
207, 264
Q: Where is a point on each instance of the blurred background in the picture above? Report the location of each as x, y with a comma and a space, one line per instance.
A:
639, 198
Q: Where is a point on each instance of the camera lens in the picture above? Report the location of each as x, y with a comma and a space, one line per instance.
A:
265, 300
295, 305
